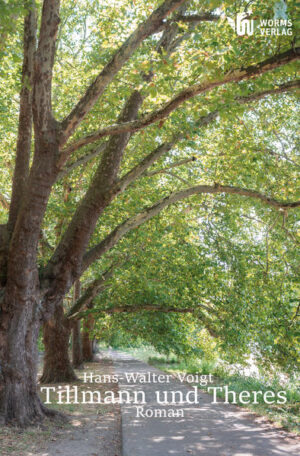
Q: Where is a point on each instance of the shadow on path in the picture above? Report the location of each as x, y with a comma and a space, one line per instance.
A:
206, 429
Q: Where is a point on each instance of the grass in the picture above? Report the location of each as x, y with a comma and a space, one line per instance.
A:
142, 353
16, 442
285, 415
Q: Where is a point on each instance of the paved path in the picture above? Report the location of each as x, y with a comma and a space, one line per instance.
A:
207, 429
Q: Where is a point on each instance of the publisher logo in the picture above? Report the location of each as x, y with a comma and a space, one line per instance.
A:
278, 25
241, 24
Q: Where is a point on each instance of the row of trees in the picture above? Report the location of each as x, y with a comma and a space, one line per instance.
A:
86, 175
181, 286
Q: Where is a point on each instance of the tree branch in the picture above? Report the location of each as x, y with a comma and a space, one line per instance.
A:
197, 18
151, 308
44, 61
144, 308
205, 119
21, 264
140, 169
150, 159
147, 308
167, 44
4, 202
279, 89
85, 104
121, 230
66, 260
184, 181
81, 160
96, 287
21, 170
186, 94
102, 189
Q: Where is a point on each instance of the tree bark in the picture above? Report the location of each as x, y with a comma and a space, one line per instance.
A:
87, 339
57, 364
77, 359
19, 329
21, 170
77, 356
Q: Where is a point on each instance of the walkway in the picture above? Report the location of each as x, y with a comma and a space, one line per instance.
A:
206, 429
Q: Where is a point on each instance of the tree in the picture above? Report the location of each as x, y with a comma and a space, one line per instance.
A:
96, 286
32, 287
204, 268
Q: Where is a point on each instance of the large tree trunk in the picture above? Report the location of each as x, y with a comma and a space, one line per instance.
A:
19, 400
77, 357
57, 364
87, 339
